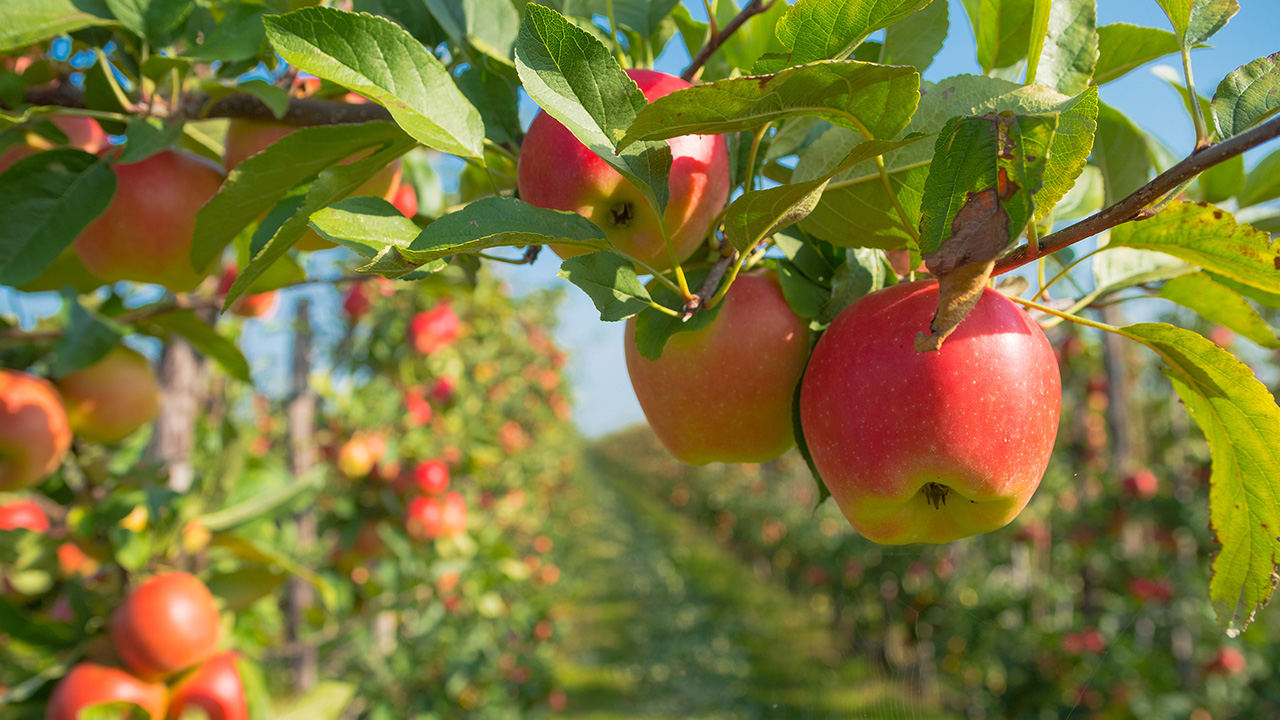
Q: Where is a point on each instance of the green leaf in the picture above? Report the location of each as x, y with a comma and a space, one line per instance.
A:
503, 222
1120, 151
49, 198
654, 328
146, 137
497, 99
262, 180
797, 428
261, 552
489, 26
1239, 418
380, 60
186, 324
574, 78
27, 22
1220, 182
1002, 29
1040, 11
805, 297
102, 91
1121, 267
326, 701
236, 34
1219, 304
365, 224
88, 338
611, 282
1195, 21
1070, 51
412, 14
151, 19
1084, 198
875, 99
916, 39
1262, 297
832, 29
1123, 47
978, 197
114, 711
256, 506
1207, 237
275, 98
1247, 95
862, 273
1263, 181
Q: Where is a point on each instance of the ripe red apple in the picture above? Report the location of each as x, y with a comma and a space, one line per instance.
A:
724, 392
1142, 485
424, 518
167, 624
356, 301
358, 456
250, 137
406, 201
434, 329
415, 402
112, 398
215, 687
1227, 661
35, 433
930, 447
88, 684
23, 514
82, 133
560, 173
256, 305
442, 390
431, 476
145, 233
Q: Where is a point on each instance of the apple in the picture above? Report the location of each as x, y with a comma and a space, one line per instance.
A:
930, 447
419, 408
724, 392
145, 233
1142, 485
82, 133
406, 201
74, 562
24, 514
35, 433
442, 390
215, 687
434, 329
431, 476
358, 456
88, 684
454, 517
356, 301
167, 624
250, 137
1227, 661
67, 270
254, 306
558, 172
423, 518
112, 398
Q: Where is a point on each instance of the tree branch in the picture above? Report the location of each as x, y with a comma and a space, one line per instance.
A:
1132, 207
755, 7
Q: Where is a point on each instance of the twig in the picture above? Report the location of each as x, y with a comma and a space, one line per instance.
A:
755, 7
709, 285
1131, 207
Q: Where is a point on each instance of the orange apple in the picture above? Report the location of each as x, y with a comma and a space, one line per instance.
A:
167, 624
88, 684
35, 433
23, 514
112, 398
215, 687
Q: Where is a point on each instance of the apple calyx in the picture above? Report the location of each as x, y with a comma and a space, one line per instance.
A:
935, 494
621, 214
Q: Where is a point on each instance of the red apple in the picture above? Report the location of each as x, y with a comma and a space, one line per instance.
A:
35, 433
88, 684
415, 402
432, 476
145, 233
558, 172
167, 624
256, 305
1227, 661
358, 456
1142, 485
406, 201
442, 390
930, 447
112, 398
23, 514
454, 517
424, 518
215, 687
434, 329
356, 302
82, 133
724, 392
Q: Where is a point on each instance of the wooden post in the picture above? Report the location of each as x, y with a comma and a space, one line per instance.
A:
302, 458
182, 382
1118, 396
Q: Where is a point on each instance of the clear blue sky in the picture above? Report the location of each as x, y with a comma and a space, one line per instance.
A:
602, 391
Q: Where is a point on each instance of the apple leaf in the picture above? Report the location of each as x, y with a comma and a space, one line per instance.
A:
1195, 21
1209, 238
49, 198
382, 61
376, 231
1219, 304
610, 281
862, 273
574, 78
1121, 153
1120, 267
1239, 418
326, 701
654, 328
1002, 29
237, 34
150, 19
876, 100
1220, 182
186, 324
262, 180
497, 99
27, 22
88, 338
145, 137
113, 711
1123, 47
503, 222
1263, 181
1246, 95
832, 29
1084, 198
1070, 52
916, 39
489, 26
797, 429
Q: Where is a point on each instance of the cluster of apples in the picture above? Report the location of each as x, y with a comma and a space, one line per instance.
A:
914, 447
166, 635
103, 403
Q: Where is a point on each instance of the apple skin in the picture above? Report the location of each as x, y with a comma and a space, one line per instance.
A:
24, 514
112, 398
724, 393
88, 684
215, 687
978, 417
434, 329
406, 201
431, 476
427, 518
558, 172
167, 624
35, 433
250, 137
358, 456
145, 233
82, 133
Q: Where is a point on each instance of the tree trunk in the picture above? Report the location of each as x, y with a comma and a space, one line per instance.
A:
302, 458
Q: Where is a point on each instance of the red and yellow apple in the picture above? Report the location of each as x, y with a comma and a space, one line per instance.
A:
724, 392
82, 133
23, 514
215, 687
112, 398
88, 684
930, 447
145, 233
358, 456
560, 173
35, 433
427, 518
167, 624
406, 201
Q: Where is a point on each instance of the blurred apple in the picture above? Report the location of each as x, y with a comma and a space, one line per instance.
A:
112, 398
35, 433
